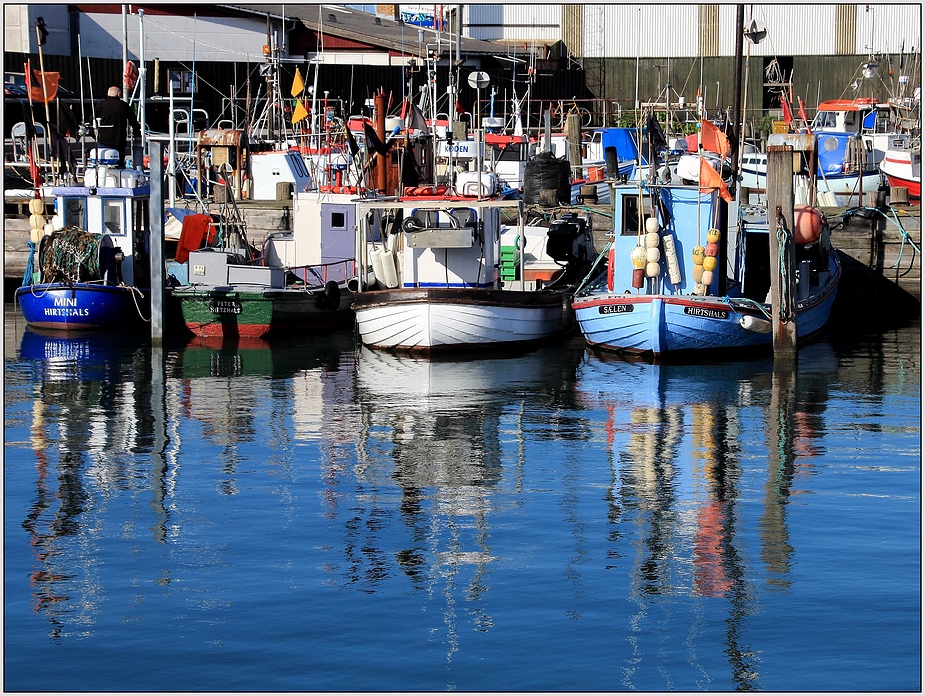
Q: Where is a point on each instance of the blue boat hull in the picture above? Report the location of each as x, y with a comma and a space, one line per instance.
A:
658, 325
82, 306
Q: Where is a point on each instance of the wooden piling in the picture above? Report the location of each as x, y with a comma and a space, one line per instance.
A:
573, 134
156, 230
782, 251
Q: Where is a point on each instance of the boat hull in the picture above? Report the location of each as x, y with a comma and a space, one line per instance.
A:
439, 319
253, 313
915, 187
662, 325
83, 306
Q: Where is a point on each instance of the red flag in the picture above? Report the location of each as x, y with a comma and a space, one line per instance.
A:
713, 139
43, 90
459, 108
788, 116
803, 114
710, 179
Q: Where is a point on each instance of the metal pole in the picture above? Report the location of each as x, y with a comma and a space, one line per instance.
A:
171, 148
156, 243
124, 51
141, 84
737, 85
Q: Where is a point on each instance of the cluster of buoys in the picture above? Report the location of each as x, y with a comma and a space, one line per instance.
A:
337, 189
37, 219
705, 260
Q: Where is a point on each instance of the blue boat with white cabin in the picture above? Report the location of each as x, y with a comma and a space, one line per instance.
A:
89, 268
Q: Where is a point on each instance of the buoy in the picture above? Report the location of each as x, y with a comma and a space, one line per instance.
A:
653, 255
712, 249
651, 225
611, 257
807, 224
700, 289
713, 235
36, 221
638, 257
706, 278
638, 277
697, 254
709, 263
756, 324
37, 206
653, 269
652, 239
697, 273
671, 259
384, 267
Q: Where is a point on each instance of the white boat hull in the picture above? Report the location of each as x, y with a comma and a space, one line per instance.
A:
449, 318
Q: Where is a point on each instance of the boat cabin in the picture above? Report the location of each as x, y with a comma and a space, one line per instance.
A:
119, 211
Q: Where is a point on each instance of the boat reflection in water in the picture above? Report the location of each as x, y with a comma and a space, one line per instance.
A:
89, 415
450, 432
680, 484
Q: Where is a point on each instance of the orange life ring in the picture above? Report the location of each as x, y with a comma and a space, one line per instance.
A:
131, 75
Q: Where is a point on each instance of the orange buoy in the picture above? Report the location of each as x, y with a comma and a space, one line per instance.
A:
807, 224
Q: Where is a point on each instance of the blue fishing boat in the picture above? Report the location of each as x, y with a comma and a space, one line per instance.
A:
88, 267
675, 284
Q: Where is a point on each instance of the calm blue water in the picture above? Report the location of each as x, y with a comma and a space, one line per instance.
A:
313, 517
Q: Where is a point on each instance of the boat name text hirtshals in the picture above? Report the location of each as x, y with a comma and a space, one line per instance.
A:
706, 312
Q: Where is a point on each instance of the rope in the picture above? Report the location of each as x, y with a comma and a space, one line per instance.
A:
895, 220
30, 268
782, 238
593, 267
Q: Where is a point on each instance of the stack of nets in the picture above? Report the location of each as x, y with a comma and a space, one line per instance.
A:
70, 255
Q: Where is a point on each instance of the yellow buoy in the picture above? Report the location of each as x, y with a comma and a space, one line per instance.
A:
37, 206
638, 257
697, 254
713, 235
697, 273
709, 263
36, 221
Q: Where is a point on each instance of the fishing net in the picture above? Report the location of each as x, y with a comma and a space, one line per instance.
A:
71, 255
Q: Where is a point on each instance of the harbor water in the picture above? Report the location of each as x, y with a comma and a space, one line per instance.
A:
307, 515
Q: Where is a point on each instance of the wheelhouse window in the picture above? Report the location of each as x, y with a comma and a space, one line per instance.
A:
632, 223
75, 212
113, 217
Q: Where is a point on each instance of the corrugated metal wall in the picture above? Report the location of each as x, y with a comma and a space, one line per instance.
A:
845, 29
887, 28
513, 22
651, 30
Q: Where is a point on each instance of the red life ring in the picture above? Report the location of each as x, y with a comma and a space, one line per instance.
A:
131, 75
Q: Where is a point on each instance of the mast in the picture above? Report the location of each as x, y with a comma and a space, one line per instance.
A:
737, 84
141, 85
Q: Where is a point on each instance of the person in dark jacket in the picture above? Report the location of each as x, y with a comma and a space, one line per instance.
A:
115, 116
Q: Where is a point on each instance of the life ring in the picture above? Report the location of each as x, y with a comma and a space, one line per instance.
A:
131, 75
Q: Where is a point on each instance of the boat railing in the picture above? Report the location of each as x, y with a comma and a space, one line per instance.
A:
311, 273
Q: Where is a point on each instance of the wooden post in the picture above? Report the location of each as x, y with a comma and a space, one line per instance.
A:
382, 171
782, 251
156, 242
573, 134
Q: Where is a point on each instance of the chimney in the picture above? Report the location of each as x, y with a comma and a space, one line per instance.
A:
388, 11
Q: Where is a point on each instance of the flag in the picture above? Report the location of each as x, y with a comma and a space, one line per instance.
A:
788, 117
710, 179
352, 144
417, 121
372, 140
298, 111
297, 85
459, 108
42, 90
803, 114
713, 139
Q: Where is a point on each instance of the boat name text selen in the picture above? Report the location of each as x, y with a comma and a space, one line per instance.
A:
615, 309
